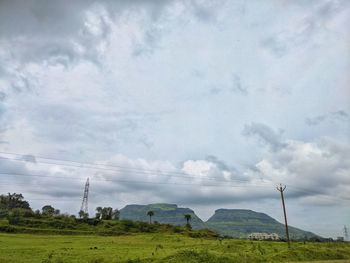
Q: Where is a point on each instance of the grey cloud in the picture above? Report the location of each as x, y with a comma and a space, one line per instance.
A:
146, 142
306, 174
221, 196
215, 91
237, 85
340, 115
2, 96
219, 163
266, 135
8, 166
309, 169
13, 172
315, 120
205, 11
29, 158
149, 42
62, 17
306, 29
69, 123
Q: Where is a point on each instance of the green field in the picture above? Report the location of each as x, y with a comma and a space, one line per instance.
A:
160, 247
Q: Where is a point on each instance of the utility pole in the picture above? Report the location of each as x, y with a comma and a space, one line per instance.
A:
281, 189
346, 235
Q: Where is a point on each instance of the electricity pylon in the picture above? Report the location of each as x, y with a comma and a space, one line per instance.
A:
346, 234
84, 203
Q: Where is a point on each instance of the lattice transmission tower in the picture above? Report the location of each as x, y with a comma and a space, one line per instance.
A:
84, 203
346, 234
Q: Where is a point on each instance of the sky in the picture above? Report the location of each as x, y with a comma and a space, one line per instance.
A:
206, 104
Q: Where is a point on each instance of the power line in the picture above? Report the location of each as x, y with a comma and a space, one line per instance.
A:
93, 165
117, 168
129, 181
241, 185
137, 171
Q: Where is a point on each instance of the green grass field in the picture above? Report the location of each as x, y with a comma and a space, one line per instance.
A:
159, 247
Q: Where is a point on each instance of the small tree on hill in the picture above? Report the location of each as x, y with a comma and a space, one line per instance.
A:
150, 214
99, 212
188, 218
83, 215
48, 210
107, 213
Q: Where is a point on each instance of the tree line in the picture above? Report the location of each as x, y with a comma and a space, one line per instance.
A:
14, 205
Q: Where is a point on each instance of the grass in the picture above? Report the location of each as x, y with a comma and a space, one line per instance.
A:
159, 247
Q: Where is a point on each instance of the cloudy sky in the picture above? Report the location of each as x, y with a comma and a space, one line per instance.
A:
206, 104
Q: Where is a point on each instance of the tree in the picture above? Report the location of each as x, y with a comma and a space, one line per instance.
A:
150, 214
105, 213
188, 218
99, 212
48, 210
83, 215
11, 201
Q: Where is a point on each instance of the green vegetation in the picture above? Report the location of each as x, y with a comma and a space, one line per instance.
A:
188, 218
16, 216
163, 213
159, 247
241, 222
227, 222
47, 236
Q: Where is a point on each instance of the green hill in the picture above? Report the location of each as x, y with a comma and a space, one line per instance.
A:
226, 222
163, 213
240, 223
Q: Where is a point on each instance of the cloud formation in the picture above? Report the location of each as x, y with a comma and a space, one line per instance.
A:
339, 115
265, 134
169, 86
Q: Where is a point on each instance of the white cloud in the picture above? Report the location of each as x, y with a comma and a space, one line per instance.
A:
128, 82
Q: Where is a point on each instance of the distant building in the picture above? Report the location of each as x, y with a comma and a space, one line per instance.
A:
263, 236
341, 239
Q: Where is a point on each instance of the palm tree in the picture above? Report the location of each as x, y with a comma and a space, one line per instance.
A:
150, 214
188, 218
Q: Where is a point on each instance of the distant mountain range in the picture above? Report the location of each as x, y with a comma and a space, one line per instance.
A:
227, 222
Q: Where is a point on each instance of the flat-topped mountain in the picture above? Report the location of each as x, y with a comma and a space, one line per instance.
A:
241, 222
227, 222
163, 213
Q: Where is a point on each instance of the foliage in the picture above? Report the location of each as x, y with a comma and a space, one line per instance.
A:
159, 247
107, 213
150, 214
163, 213
48, 210
239, 223
11, 201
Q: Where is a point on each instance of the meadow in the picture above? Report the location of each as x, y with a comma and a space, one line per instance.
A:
160, 247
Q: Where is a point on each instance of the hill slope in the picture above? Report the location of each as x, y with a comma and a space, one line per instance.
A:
163, 213
241, 222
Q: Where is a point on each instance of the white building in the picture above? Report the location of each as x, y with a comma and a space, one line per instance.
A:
263, 236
